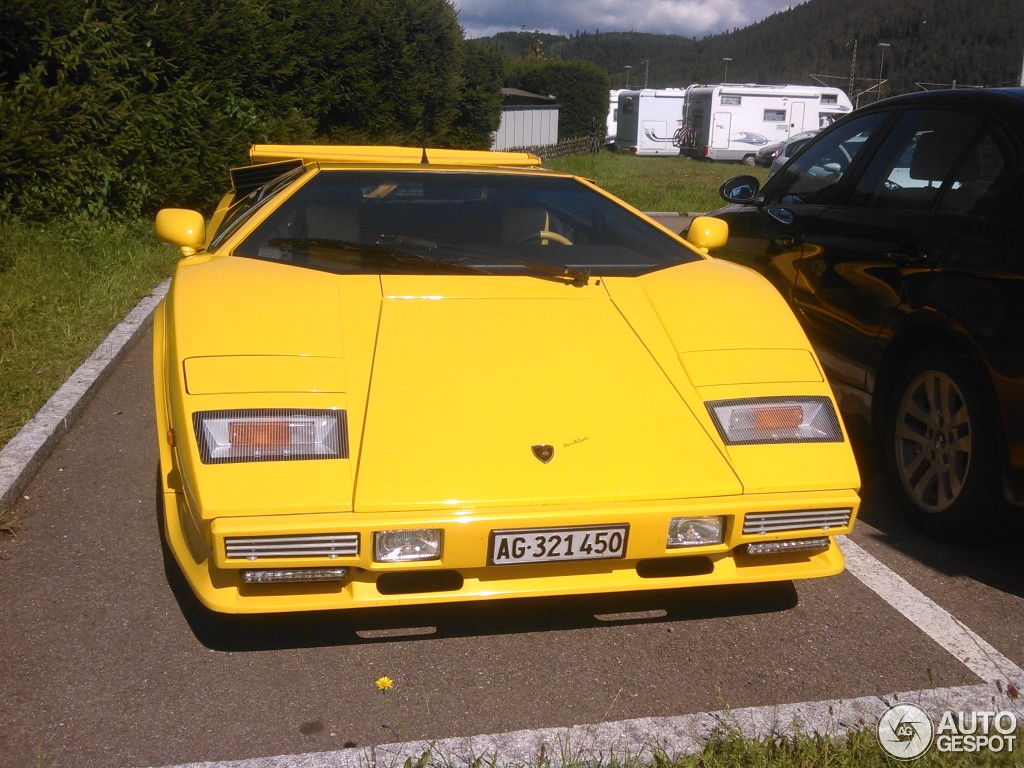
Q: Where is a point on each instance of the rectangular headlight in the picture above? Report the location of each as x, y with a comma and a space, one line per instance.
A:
270, 434
695, 531
764, 420
403, 546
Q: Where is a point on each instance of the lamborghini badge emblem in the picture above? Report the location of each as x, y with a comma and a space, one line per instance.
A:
543, 453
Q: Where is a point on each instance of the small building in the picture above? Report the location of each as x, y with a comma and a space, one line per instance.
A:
527, 120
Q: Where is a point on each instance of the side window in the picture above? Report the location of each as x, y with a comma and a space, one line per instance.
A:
913, 168
814, 177
978, 179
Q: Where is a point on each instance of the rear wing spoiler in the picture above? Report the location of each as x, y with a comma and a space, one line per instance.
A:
311, 153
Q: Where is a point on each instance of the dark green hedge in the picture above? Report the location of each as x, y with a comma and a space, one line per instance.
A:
113, 107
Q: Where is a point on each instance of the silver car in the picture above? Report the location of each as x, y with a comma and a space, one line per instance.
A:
788, 149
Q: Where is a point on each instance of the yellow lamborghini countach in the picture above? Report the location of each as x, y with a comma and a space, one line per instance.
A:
390, 376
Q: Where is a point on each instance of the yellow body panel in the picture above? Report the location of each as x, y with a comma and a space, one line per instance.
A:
715, 367
268, 153
462, 428
481, 403
293, 373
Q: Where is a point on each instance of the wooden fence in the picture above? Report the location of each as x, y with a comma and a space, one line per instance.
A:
586, 145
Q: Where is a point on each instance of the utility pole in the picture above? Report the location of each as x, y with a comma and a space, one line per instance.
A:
853, 70
881, 63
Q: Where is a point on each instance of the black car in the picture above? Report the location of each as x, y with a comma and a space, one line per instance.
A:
897, 235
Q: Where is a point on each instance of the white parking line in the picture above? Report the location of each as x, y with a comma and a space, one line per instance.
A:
928, 616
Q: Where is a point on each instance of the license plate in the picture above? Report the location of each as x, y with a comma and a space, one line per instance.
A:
547, 545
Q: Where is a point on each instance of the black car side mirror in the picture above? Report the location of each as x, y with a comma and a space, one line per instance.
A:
740, 189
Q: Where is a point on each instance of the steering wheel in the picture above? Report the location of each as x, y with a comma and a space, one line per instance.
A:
544, 234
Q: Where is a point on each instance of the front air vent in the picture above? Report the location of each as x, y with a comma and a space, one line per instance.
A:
330, 545
247, 178
775, 522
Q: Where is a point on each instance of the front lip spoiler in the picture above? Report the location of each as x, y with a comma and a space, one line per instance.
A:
219, 586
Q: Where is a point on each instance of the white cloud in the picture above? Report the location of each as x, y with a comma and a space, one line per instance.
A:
690, 18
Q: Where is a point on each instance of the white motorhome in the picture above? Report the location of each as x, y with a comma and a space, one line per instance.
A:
613, 115
648, 120
731, 122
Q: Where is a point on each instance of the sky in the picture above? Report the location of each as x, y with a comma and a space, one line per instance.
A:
690, 18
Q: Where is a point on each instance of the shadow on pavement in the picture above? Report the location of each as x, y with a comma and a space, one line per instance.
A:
994, 561
224, 632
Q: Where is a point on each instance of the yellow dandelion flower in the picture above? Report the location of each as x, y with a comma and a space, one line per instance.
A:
384, 683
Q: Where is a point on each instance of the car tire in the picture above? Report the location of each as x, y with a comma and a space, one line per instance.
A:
939, 448
749, 160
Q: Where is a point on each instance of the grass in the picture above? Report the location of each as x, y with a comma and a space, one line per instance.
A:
858, 749
676, 184
63, 287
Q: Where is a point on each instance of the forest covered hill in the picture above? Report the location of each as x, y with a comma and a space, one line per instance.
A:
925, 44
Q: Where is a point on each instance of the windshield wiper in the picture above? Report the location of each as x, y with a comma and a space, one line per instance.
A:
358, 251
399, 250
569, 275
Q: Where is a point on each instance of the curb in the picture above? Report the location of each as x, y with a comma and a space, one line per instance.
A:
21, 457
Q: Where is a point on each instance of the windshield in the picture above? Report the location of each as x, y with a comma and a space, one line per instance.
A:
413, 222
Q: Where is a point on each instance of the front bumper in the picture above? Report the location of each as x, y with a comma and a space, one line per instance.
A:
462, 573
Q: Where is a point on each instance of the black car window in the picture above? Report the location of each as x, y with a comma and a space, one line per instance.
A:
978, 178
913, 168
814, 176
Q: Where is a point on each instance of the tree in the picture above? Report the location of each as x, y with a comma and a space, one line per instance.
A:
479, 107
581, 89
110, 106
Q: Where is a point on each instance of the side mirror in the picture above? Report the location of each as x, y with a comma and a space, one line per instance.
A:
740, 189
707, 233
181, 227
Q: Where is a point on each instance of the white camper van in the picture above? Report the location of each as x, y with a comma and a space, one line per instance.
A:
648, 120
731, 122
613, 115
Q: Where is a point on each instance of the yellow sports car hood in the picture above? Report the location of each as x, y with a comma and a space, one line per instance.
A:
542, 394
468, 391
